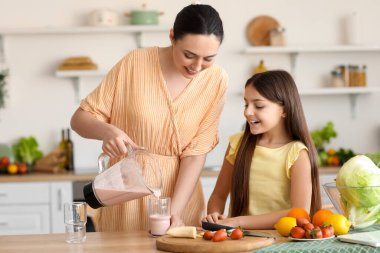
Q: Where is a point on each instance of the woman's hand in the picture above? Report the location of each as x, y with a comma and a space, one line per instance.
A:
214, 217
176, 221
115, 141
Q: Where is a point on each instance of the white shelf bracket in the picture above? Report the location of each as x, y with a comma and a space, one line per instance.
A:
77, 84
139, 39
353, 104
293, 64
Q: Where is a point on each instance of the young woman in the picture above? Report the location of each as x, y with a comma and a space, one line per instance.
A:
272, 166
167, 100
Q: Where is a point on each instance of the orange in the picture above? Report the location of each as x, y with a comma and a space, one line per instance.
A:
321, 216
298, 212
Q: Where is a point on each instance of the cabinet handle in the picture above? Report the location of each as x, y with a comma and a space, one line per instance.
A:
59, 199
3, 194
3, 224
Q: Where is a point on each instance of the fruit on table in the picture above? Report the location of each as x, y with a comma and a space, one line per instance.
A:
184, 231
4, 161
297, 232
208, 235
339, 222
321, 216
12, 168
327, 231
284, 225
22, 168
236, 234
314, 233
219, 235
298, 212
301, 221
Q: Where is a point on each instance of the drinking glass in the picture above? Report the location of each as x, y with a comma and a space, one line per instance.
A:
159, 215
75, 221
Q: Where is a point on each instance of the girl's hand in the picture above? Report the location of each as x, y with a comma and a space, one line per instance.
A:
114, 142
226, 222
214, 217
176, 221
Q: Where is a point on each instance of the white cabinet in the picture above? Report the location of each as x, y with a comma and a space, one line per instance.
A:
295, 51
60, 193
33, 208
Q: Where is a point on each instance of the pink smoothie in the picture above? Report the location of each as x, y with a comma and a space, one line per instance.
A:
111, 197
159, 224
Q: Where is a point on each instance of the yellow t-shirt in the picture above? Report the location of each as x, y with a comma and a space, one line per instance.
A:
269, 181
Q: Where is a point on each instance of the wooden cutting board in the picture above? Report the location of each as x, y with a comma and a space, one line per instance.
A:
246, 244
258, 30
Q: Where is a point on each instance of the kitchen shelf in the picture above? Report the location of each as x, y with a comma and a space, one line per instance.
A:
136, 30
77, 77
294, 52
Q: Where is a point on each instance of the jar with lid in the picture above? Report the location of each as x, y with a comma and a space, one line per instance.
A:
277, 36
343, 69
361, 76
352, 70
336, 79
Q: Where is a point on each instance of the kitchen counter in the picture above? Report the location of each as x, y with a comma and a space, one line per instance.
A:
142, 242
44, 177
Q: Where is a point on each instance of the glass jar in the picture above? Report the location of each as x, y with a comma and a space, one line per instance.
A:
277, 36
336, 79
361, 76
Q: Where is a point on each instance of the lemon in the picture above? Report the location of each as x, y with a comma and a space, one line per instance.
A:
284, 225
340, 223
12, 168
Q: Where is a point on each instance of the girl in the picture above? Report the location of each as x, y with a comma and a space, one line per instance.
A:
272, 166
168, 100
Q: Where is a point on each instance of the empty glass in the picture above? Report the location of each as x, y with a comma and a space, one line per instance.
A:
75, 221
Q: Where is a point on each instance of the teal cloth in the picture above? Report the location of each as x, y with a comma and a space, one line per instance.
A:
333, 245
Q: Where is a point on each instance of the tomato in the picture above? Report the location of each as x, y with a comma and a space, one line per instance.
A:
208, 235
236, 234
297, 232
219, 235
301, 221
308, 226
327, 232
22, 168
4, 161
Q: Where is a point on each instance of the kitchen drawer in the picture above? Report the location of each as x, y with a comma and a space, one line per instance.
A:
24, 193
24, 219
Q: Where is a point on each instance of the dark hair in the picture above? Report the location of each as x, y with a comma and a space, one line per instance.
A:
198, 19
279, 87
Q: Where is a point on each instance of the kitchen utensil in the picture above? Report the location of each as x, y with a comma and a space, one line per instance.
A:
103, 18
258, 30
215, 227
144, 16
135, 176
246, 244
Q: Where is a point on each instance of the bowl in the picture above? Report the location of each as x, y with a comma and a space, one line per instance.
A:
361, 205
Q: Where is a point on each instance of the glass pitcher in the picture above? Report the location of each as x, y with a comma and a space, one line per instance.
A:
135, 176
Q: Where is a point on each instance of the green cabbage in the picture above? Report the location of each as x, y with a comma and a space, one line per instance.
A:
358, 182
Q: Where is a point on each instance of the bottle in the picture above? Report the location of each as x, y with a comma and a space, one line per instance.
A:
63, 147
70, 152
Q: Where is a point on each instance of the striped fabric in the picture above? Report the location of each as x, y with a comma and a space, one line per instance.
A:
134, 97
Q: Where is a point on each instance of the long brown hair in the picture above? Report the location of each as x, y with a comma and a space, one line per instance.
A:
279, 87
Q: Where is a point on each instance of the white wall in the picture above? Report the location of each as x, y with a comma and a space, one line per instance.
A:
40, 104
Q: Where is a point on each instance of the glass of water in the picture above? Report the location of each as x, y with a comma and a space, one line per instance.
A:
75, 221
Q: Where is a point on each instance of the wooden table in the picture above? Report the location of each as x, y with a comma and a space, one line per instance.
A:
97, 242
